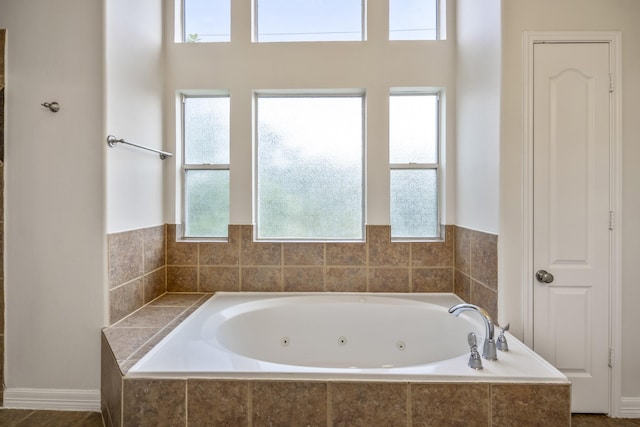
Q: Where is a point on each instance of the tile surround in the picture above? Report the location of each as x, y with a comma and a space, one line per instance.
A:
367, 404
146, 263
137, 264
126, 257
280, 402
154, 402
476, 268
195, 402
208, 401
131, 337
231, 403
440, 412
244, 265
170, 279
530, 404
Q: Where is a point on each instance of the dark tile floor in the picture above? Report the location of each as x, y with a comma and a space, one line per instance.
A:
587, 420
29, 418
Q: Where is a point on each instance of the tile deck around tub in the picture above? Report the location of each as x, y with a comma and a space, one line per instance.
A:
132, 337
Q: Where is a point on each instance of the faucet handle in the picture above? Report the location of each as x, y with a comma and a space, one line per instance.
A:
501, 344
472, 340
475, 361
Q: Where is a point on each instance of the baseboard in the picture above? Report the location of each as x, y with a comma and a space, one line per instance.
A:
57, 400
630, 407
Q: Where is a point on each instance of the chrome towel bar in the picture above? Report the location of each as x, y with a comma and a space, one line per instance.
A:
112, 141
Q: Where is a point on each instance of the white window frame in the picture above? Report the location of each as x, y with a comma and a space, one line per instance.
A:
195, 167
305, 94
424, 166
439, 30
180, 35
287, 67
363, 26
181, 23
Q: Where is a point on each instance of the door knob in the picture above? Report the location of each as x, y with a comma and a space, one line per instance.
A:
544, 276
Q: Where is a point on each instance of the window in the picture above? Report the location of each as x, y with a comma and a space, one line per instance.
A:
326, 136
413, 156
413, 19
309, 159
308, 20
206, 21
206, 166
304, 20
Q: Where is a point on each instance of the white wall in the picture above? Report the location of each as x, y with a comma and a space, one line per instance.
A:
612, 15
54, 239
376, 66
134, 111
478, 114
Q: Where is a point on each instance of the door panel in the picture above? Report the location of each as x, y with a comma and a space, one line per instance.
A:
571, 114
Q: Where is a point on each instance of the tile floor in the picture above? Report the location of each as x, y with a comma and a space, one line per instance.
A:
584, 420
29, 418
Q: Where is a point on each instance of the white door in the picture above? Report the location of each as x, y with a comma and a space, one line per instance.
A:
571, 235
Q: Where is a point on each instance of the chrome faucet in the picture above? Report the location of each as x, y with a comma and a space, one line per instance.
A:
489, 347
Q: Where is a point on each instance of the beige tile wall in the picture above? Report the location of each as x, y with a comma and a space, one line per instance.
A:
145, 263
137, 269
376, 265
201, 402
476, 268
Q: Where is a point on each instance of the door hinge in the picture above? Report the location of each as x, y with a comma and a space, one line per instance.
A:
612, 219
612, 82
610, 357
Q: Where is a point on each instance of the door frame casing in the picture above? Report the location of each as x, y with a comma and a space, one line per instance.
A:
613, 38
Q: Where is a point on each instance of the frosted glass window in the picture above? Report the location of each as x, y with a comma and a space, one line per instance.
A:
413, 125
309, 20
414, 163
207, 21
310, 168
206, 203
414, 203
206, 130
413, 19
206, 166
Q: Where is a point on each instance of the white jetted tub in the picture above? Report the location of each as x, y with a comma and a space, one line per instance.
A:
409, 337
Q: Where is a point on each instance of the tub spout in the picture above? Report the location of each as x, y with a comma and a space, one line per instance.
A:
489, 347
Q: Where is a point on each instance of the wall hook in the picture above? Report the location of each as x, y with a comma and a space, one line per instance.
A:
53, 106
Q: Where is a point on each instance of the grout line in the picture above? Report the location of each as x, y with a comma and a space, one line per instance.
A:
329, 408
198, 266
250, 402
489, 409
366, 257
324, 267
166, 256
409, 406
281, 266
411, 285
144, 264
121, 375
186, 402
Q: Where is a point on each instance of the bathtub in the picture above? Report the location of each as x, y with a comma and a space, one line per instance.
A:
326, 336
